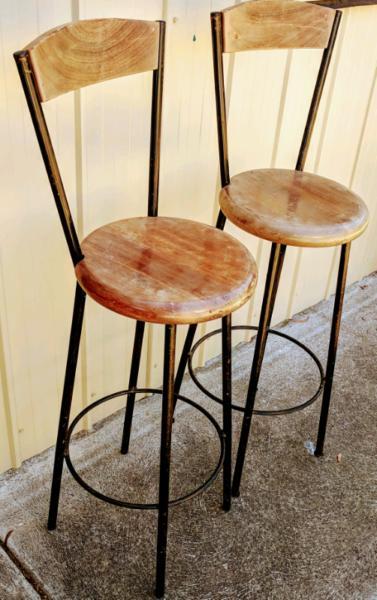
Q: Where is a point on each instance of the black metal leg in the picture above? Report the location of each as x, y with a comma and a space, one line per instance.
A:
73, 350
274, 269
134, 373
227, 409
166, 430
184, 357
334, 336
221, 220
275, 287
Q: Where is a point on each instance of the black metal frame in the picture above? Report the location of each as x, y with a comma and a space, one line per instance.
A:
275, 265
278, 250
169, 397
278, 253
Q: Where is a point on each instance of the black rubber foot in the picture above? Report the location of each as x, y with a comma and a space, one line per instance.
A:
236, 493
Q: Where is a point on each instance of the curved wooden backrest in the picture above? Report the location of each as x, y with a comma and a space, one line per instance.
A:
269, 24
81, 53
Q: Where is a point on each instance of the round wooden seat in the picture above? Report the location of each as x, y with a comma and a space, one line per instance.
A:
294, 208
165, 270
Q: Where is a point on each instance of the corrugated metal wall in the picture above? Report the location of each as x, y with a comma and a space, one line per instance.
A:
101, 137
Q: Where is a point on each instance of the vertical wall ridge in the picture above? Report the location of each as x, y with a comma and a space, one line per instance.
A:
9, 409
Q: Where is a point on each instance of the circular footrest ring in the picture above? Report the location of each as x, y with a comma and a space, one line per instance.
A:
265, 413
134, 505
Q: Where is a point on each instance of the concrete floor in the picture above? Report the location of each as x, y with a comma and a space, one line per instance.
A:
303, 528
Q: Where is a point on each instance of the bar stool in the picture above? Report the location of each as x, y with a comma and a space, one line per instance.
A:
285, 207
151, 269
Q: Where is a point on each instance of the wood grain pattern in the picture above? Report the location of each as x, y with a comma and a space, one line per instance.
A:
294, 208
81, 53
268, 24
165, 270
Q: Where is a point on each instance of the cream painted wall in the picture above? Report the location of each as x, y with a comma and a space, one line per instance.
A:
101, 138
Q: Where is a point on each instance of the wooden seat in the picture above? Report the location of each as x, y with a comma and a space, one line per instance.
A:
165, 270
294, 208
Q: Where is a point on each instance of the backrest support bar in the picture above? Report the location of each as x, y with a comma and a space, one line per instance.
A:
36, 79
317, 95
221, 113
156, 118
48, 154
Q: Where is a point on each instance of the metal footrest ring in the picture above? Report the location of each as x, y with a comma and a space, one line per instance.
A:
265, 413
134, 505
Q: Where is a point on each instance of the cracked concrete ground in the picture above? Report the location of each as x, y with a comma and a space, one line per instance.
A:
13, 584
303, 528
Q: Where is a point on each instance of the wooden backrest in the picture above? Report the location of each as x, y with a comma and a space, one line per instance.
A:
270, 24
81, 53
